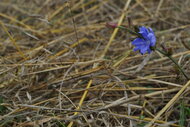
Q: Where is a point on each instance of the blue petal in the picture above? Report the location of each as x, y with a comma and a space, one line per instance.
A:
152, 39
143, 30
151, 31
143, 49
136, 41
149, 50
139, 42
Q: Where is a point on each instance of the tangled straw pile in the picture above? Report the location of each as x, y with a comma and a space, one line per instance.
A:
61, 66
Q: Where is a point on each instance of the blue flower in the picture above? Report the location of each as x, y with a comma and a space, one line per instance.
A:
144, 43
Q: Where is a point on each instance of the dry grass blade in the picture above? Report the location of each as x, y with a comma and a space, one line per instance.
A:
13, 41
169, 104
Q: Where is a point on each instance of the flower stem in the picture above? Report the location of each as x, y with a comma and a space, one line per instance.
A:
130, 31
173, 60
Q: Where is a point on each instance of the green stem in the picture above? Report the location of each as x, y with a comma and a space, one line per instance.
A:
172, 59
130, 31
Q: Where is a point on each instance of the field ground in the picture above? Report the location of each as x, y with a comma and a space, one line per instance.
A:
61, 65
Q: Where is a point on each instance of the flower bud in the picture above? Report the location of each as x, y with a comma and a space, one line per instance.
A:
168, 51
111, 25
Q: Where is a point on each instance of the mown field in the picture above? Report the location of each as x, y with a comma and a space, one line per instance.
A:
68, 63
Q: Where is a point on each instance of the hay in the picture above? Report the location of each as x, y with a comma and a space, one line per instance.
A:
61, 66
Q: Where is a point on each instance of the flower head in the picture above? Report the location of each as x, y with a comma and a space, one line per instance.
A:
144, 43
